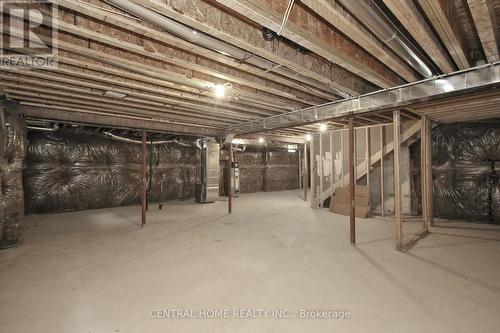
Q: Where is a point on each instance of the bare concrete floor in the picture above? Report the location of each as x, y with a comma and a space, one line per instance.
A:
97, 271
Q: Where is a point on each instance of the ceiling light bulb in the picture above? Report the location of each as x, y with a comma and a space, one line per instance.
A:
261, 140
322, 127
220, 90
308, 137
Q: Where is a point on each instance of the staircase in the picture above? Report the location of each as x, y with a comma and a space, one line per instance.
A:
411, 133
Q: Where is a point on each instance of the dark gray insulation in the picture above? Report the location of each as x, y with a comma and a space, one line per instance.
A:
68, 171
283, 169
11, 180
460, 167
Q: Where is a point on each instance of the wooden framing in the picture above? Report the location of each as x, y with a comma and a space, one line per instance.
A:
409, 15
246, 36
484, 17
352, 182
305, 173
398, 218
319, 39
343, 21
428, 173
423, 171
440, 19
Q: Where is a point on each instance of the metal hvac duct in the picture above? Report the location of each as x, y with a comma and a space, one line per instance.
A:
372, 16
196, 37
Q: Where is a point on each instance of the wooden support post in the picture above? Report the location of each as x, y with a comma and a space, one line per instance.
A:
428, 170
398, 219
332, 167
144, 177
423, 170
382, 169
230, 178
306, 173
352, 182
342, 156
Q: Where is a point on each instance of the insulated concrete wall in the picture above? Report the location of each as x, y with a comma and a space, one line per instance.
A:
72, 170
11, 182
267, 169
463, 179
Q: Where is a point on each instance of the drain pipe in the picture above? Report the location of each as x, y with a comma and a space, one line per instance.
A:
369, 14
196, 37
120, 138
285, 17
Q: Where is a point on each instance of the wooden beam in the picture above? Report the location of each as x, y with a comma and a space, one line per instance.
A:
127, 105
398, 218
144, 189
247, 36
334, 14
157, 35
352, 182
62, 80
409, 16
112, 120
484, 17
440, 14
141, 50
304, 29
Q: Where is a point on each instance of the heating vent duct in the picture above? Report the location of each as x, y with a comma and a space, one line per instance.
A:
375, 20
204, 40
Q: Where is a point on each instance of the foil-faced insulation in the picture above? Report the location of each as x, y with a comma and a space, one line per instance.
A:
11, 173
68, 171
462, 159
266, 169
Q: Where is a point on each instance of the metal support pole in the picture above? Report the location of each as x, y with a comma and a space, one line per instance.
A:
312, 157
306, 173
144, 177
332, 166
321, 172
352, 182
300, 169
368, 157
150, 185
230, 179
398, 219
382, 169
